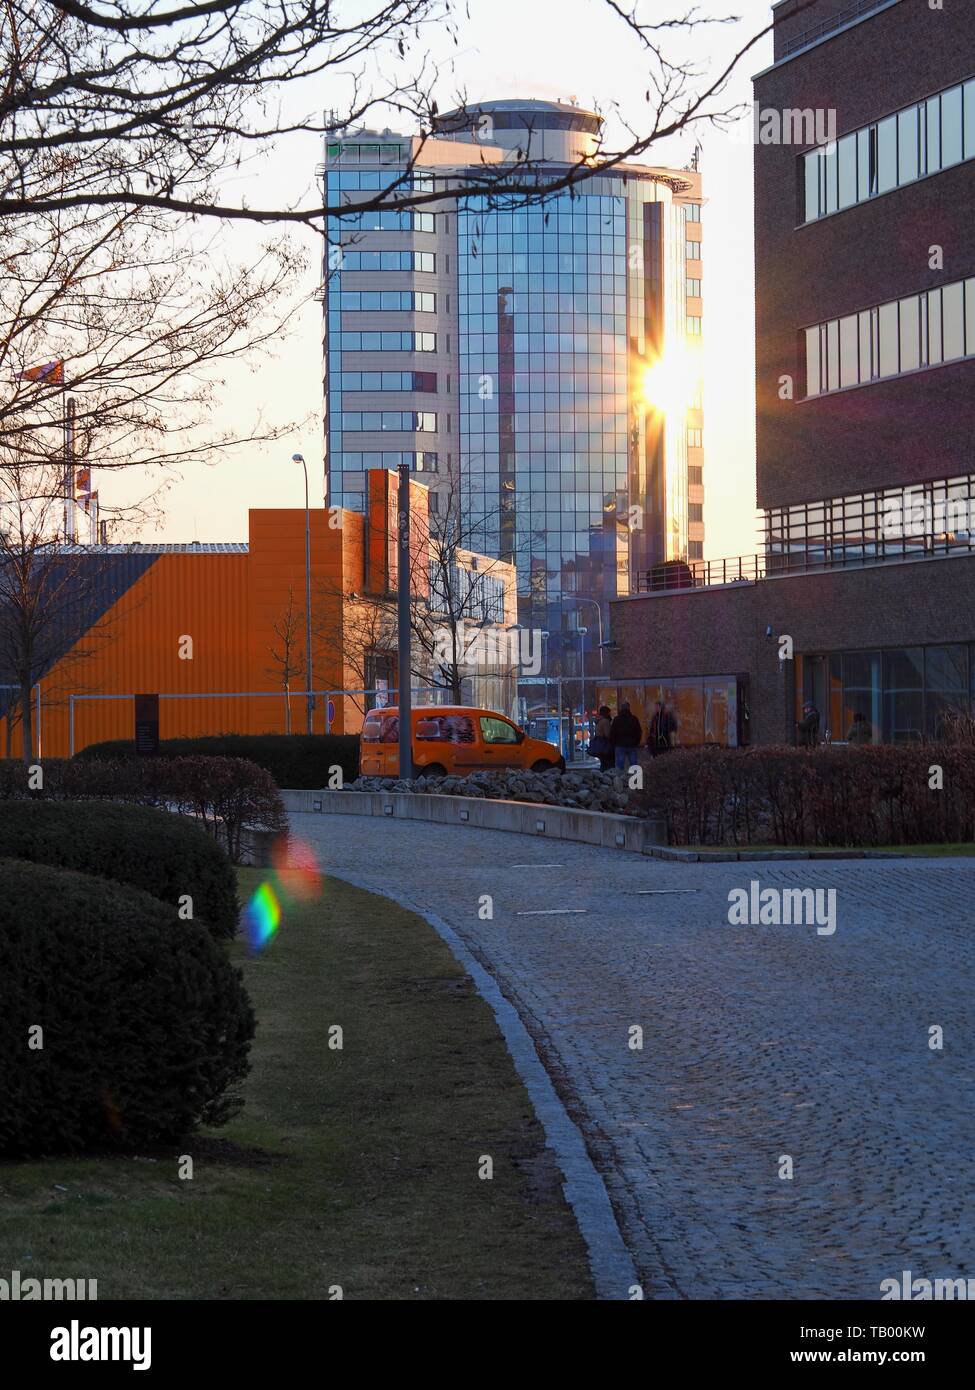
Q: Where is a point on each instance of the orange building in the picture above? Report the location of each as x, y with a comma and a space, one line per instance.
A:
218, 631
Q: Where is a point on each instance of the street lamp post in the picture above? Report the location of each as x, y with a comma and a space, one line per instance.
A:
582, 631
545, 669
575, 598
309, 698
404, 656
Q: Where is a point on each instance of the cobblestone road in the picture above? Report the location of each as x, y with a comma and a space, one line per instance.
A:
758, 1042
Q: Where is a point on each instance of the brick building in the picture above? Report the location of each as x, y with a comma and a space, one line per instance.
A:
865, 397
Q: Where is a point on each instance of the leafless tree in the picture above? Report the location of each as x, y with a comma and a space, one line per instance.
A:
356, 633
285, 654
54, 593
131, 105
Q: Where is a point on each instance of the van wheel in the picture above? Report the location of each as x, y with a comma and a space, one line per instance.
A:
542, 766
431, 770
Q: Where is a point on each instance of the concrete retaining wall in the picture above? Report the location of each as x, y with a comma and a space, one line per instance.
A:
523, 817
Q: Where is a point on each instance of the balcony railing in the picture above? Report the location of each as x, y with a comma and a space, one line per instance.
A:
678, 576
827, 26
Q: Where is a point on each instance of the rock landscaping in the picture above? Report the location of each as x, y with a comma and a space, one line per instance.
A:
588, 789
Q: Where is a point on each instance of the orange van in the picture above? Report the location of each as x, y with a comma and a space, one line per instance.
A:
451, 739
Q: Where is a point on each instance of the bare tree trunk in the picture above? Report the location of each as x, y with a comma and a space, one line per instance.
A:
25, 721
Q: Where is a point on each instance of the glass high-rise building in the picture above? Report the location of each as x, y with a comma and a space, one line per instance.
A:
539, 362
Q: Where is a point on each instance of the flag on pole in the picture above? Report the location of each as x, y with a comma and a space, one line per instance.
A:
52, 372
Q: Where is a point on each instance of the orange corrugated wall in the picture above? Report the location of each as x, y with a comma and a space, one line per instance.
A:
226, 603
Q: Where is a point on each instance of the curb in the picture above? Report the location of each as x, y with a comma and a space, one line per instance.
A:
610, 1263
730, 856
521, 817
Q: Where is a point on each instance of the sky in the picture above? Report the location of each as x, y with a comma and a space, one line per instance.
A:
550, 49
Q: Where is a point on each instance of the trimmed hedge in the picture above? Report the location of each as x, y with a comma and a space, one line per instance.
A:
839, 796
146, 1025
225, 795
293, 760
166, 855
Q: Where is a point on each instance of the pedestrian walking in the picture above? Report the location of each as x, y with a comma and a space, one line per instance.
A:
601, 743
625, 735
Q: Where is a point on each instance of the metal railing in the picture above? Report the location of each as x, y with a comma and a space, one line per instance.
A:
679, 576
827, 26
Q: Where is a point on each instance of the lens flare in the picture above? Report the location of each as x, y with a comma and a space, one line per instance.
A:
295, 878
263, 916
296, 869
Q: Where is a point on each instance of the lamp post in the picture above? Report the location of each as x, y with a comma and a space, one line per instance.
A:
545, 669
404, 656
574, 598
582, 631
309, 699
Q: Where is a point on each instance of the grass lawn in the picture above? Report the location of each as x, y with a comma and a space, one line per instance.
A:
356, 1168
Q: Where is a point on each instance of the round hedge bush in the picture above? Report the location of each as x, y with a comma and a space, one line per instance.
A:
146, 1025
164, 854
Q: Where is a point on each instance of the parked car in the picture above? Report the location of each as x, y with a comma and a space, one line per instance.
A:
451, 739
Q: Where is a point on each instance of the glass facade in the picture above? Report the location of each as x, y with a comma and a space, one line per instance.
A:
920, 140
538, 324
898, 523
889, 695
544, 410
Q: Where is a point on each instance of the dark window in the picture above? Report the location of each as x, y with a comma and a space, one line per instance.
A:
498, 731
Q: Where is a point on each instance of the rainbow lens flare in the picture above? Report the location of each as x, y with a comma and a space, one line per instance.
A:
262, 916
295, 878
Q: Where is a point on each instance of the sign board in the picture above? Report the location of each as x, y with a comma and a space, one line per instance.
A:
147, 725
382, 692
330, 713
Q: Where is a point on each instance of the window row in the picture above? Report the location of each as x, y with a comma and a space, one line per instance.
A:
920, 140
385, 342
693, 287
692, 211
415, 301
365, 181
923, 330
692, 250
694, 327
410, 421
695, 439
423, 461
376, 153
388, 381
387, 220
340, 259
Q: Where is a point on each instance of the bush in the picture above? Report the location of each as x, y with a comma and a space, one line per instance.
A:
829, 796
146, 1025
166, 855
293, 760
226, 795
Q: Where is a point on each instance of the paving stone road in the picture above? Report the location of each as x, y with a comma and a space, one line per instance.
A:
758, 1042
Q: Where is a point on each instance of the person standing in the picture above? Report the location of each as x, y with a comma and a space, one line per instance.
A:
601, 743
663, 726
809, 726
625, 734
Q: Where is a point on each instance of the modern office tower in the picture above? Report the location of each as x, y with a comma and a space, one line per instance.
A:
865, 389
537, 362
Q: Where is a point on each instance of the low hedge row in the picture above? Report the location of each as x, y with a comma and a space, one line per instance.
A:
144, 1025
166, 855
225, 794
293, 760
885, 795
